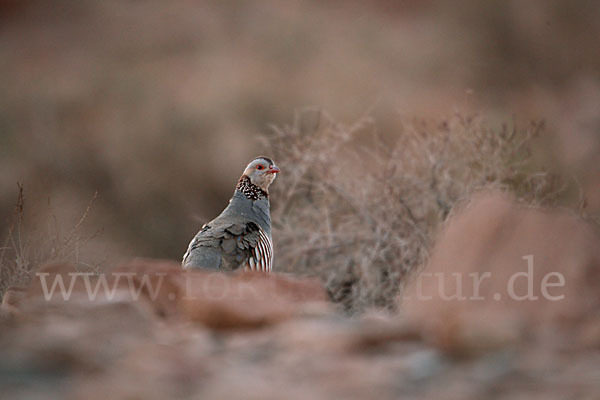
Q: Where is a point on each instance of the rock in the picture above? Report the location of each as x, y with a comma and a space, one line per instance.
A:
246, 300
57, 285
335, 334
44, 348
215, 299
157, 282
513, 250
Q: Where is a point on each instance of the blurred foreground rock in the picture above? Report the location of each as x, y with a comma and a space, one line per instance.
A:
155, 331
163, 288
537, 270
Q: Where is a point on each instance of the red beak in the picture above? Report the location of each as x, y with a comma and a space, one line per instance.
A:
274, 169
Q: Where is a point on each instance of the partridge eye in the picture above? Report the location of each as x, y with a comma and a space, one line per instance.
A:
259, 167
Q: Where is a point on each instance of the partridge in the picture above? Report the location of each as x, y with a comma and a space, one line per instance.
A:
240, 237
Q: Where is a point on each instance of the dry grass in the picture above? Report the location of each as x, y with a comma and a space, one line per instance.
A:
360, 209
24, 250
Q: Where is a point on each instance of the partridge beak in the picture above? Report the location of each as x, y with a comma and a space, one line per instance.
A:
274, 169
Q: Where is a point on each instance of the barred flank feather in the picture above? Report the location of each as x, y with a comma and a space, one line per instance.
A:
262, 254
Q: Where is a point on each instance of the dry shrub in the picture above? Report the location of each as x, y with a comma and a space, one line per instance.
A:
24, 249
360, 209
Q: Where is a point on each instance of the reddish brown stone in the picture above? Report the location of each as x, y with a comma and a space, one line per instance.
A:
491, 235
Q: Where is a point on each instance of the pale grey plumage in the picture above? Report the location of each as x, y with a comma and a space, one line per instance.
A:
241, 235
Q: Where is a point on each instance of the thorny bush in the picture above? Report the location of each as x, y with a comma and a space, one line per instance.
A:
360, 209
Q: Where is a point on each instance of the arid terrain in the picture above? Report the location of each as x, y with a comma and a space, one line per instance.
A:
435, 222
161, 333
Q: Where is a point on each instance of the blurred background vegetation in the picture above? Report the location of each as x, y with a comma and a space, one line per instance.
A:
157, 106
